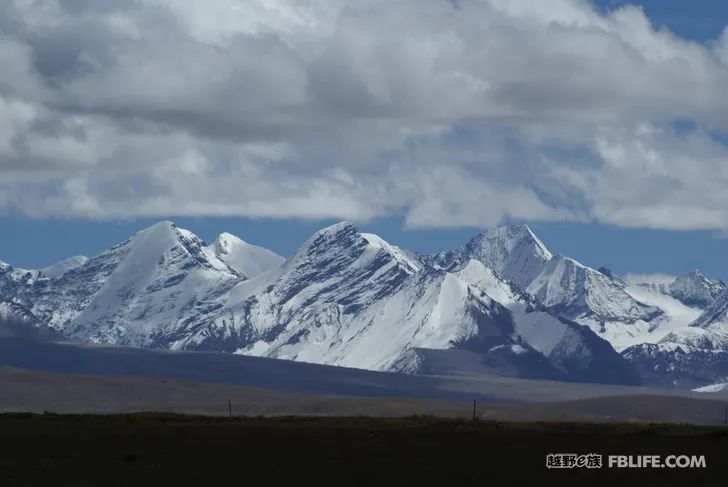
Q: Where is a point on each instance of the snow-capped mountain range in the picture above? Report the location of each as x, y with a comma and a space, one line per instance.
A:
503, 303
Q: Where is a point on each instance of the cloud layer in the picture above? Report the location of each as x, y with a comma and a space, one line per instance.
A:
450, 113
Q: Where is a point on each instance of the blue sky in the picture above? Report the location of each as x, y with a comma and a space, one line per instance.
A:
37, 243
700, 20
52, 207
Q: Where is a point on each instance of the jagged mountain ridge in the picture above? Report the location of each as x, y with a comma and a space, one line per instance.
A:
561, 285
503, 303
716, 314
346, 298
139, 292
692, 289
693, 355
59, 269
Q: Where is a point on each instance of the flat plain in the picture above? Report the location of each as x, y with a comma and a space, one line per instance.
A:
167, 449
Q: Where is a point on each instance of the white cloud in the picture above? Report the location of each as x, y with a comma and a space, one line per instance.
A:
450, 115
657, 278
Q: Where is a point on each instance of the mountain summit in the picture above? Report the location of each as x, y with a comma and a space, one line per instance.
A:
249, 260
695, 289
142, 292
501, 304
559, 284
513, 252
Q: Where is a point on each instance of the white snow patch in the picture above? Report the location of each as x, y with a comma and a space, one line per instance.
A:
540, 330
624, 335
249, 260
60, 268
393, 250
712, 388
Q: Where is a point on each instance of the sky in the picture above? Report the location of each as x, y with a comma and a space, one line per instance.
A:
602, 125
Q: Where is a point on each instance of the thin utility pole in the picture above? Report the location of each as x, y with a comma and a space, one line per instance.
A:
474, 410
725, 419
230, 408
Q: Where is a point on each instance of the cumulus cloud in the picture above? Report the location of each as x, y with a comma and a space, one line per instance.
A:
449, 113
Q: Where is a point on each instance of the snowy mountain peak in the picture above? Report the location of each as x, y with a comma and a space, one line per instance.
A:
141, 292
342, 245
694, 278
227, 241
160, 229
502, 302
343, 227
579, 291
155, 240
399, 255
164, 241
514, 252
515, 236
715, 314
249, 260
343, 234
60, 268
566, 287
694, 289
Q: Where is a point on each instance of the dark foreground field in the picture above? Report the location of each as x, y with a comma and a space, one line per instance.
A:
153, 449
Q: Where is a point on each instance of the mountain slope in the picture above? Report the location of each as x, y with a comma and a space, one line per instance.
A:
336, 272
570, 347
351, 299
503, 303
249, 260
715, 315
514, 253
560, 285
694, 289
688, 356
676, 314
60, 268
144, 292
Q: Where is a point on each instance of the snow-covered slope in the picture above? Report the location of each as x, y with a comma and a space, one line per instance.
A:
715, 316
336, 272
694, 352
351, 299
690, 355
18, 321
694, 289
14, 317
676, 314
8, 282
503, 303
147, 291
560, 285
60, 268
12, 280
249, 260
512, 252
586, 295
568, 345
